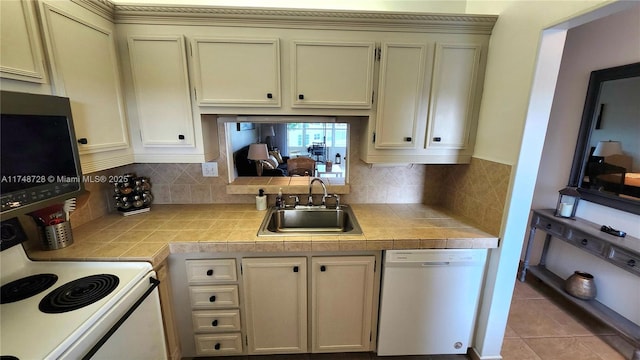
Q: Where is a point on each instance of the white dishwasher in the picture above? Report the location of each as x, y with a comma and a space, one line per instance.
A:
429, 300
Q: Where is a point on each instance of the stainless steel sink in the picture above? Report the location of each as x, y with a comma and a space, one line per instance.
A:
310, 221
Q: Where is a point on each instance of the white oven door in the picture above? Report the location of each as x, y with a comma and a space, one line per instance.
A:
130, 330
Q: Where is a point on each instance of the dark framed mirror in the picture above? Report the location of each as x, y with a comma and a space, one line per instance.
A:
606, 163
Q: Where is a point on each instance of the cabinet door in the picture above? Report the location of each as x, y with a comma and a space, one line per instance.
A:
275, 295
85, 69
400, 95
20, 43
341, 300
453, 95
161, 87
332, 74
237, 72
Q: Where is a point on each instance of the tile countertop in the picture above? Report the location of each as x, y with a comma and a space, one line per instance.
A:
169, 229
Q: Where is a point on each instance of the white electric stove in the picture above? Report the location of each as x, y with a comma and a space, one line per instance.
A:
77, 310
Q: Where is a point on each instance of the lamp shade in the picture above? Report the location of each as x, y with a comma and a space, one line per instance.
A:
607, 148
258, 152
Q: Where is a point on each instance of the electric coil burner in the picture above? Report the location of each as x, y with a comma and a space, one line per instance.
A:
26, 287
78, 293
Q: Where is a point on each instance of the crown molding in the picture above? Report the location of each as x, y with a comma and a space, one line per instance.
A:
272, 17
103, 8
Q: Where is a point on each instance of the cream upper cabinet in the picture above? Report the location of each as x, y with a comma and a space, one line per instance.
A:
81, 49
275, 296
428, 103
20, 42
341, 303
332, 74
399, 95
161, 86
453, 96
237, 72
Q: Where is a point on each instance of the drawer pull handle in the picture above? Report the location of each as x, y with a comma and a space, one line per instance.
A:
180, 137
83, 141
214, 323
212, 298
301, 97
407, 139
323, 268
295, 269
209, 272
548, 226
631, 263
584, 242
269, 96
216, 346
437, 139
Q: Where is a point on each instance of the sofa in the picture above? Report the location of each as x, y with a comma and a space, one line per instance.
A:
247, 167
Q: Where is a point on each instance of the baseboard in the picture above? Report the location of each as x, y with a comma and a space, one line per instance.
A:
473, 354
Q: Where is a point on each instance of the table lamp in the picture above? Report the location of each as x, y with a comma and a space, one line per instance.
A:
258, 152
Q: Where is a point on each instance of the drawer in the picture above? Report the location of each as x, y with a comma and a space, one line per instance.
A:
586, 242
214, 296
218, 344
211, 271
216, 320
550, 226
625, 260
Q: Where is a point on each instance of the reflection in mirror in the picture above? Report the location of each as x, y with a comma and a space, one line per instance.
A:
606, 165
294, 148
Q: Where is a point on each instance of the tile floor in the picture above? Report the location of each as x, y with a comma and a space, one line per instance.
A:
541, 326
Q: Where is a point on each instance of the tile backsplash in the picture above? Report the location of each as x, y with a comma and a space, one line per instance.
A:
477, 190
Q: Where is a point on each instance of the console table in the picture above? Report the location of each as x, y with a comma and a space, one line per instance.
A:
623, 252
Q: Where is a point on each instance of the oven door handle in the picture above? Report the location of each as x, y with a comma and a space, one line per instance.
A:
154, 284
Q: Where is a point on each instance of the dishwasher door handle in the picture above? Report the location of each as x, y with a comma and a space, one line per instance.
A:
436, 263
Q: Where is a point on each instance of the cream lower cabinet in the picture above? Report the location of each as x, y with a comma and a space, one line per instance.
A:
275, 296
341, 303
82, 52
341, 296
215, 306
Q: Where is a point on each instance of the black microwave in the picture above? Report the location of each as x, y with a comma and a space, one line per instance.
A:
39, 161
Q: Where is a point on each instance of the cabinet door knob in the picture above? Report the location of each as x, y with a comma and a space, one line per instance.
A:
437, 139
212, 298
631, 263
209, 272
323, 268
83, 141
407, 139
301, 96
584, 242
180, 137
295, 269
216, 346
269, 96
214, 323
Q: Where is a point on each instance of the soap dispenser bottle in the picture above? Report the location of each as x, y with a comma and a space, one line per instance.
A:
279, 203
261, 201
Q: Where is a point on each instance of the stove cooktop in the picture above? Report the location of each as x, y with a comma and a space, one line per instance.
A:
22, 320
26, 287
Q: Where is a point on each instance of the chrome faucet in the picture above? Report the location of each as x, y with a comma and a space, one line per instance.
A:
324, 189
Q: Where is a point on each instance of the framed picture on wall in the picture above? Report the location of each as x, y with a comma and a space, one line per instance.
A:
245, 126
